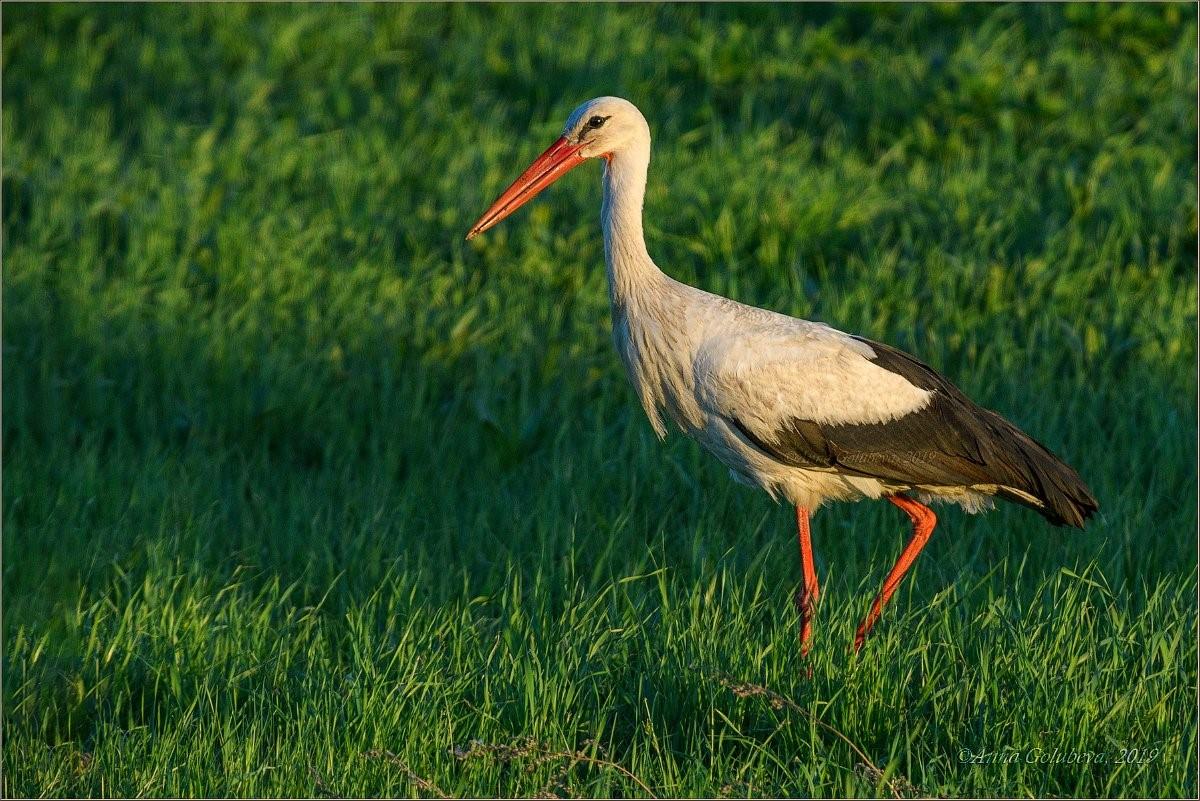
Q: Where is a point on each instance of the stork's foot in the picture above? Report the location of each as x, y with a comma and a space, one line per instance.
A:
805, 601
860, 637
868, 622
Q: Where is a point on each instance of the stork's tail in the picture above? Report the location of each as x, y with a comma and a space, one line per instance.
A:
1050, 486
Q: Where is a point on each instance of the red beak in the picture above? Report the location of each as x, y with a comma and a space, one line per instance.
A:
559, 159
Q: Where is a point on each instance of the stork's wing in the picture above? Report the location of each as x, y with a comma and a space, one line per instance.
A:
886, 415
820, 398
766, 375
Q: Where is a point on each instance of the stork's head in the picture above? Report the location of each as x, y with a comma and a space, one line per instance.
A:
601, 128
605, 126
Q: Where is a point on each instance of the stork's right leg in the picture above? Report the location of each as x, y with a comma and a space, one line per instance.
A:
923, 520
806, 596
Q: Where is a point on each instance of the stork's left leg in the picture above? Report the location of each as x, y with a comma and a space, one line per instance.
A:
806, 596
923, 521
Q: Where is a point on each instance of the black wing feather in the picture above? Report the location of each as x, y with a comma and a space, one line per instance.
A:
951, 442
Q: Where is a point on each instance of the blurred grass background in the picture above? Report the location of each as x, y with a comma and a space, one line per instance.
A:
302, 492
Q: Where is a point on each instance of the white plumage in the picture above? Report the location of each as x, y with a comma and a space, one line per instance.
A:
699, 360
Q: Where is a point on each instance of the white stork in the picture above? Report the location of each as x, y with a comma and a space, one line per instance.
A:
797, 408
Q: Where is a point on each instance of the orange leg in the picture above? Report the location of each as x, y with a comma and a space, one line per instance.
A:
806, 596
923, 521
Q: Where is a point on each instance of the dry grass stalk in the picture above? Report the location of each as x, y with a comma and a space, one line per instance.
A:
418, 780
527, 748
897, 786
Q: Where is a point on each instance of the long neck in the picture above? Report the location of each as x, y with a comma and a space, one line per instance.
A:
631, 271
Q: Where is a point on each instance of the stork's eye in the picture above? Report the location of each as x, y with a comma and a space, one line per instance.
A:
596, 122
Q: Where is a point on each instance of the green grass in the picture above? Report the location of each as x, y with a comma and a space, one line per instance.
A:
302, 492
